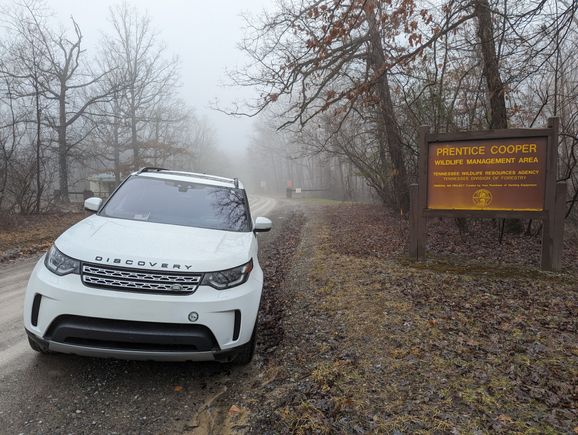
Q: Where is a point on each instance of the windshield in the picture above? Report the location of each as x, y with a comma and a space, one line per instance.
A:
180, 203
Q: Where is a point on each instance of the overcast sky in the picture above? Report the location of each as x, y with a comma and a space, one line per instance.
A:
203, 34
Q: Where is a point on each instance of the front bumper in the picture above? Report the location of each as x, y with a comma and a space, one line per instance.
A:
132, 354
228, 315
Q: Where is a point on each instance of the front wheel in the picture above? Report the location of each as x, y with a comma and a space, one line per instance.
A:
247, 351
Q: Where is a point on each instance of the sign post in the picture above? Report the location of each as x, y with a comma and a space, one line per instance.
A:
507, 173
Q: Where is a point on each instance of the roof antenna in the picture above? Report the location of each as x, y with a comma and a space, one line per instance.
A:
236, 181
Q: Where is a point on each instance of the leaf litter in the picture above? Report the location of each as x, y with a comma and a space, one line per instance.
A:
467, 342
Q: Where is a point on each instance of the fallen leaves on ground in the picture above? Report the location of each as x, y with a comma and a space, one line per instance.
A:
234, 409
276, 266
472, 342
28, 235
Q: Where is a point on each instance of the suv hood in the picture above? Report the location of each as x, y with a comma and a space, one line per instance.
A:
147, 245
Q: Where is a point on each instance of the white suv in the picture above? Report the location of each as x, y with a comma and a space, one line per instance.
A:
166, 269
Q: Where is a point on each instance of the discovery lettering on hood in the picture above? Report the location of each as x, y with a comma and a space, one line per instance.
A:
142, 263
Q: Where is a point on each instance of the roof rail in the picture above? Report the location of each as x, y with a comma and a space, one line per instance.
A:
234, 181
204, 176
150, 169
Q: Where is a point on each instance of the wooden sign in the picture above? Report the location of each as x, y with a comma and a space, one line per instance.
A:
487, 175
490, 174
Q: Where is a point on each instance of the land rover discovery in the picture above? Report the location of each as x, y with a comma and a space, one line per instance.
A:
165, 269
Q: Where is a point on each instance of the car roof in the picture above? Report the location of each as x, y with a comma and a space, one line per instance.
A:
210, 180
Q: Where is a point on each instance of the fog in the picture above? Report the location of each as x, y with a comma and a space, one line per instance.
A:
204, 36
341, 90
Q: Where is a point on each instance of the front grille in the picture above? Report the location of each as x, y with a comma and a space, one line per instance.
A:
117, 278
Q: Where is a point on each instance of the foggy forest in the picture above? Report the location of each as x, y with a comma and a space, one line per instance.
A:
342, 91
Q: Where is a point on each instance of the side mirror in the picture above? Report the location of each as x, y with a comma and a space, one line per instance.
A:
92, 204
262, 224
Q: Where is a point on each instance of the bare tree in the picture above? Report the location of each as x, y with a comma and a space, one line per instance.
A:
23, 63
496, 91
10, 137
148, 77
338, 57
110, 137
72, 86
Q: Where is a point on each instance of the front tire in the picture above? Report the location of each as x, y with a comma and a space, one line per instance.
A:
247, 351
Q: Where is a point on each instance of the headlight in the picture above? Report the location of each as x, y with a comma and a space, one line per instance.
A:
228, 278
59, 263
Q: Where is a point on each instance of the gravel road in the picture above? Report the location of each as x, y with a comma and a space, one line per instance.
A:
69, 394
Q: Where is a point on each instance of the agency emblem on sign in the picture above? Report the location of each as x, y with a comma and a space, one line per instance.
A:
482, 198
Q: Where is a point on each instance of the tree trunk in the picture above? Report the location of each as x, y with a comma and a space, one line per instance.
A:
116, 153
115, 140
134, 142
133, 131
38, 145
62, 145
388, 131
496, 91
62, 164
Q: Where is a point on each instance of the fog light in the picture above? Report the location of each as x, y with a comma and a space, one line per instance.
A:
193, 316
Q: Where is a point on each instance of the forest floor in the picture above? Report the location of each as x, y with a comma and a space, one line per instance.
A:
476, 339
29, 235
